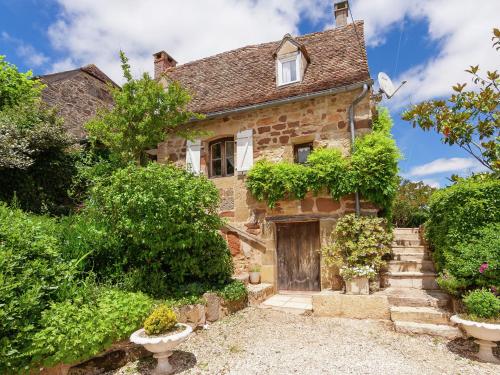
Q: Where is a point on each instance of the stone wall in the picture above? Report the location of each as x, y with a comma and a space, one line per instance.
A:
77, 96
322, 121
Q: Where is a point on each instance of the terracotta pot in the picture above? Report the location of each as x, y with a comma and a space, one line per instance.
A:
357, 285
254, 277
161, 346
485, 335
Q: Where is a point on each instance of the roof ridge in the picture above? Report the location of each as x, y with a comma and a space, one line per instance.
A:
265, 44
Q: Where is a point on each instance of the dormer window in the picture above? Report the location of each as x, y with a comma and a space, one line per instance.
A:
289, 69
291, 61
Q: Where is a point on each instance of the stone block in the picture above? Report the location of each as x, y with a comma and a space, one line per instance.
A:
212, 308
327, 204
193, 315
340, 305
267, 274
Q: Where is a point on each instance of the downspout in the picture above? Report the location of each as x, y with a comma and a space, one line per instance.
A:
353, 135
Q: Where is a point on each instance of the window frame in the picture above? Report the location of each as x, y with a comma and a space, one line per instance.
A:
296, 151
223, 157
287, 58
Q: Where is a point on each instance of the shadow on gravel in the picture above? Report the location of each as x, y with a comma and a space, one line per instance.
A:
467, 348
181, 361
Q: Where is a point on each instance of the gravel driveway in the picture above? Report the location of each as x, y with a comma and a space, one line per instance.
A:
257, 341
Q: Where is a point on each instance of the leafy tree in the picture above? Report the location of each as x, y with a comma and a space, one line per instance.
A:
144, 114
410, 207
469, 118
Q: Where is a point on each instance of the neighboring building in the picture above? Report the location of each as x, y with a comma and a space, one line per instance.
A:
277, 101
77, 94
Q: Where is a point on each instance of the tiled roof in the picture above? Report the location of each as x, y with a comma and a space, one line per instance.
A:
91, 69
247, 76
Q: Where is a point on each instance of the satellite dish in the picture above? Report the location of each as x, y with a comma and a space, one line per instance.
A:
386, 85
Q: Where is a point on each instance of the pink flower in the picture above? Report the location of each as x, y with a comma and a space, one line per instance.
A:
483, 267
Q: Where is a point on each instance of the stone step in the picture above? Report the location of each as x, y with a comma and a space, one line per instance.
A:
417, 280
406, 242
441, 330
410, 265
407, 236
419, 314
412, 256
408, 249
416, 297
406, 230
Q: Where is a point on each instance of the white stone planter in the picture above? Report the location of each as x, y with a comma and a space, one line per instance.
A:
254, 277
161, 346
357, 285
485, 335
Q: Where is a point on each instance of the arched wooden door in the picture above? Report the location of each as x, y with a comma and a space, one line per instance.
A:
298, 256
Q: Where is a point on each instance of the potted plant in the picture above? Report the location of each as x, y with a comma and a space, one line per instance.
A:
356, 249
482, 321
160, 335
255, 274
357, 279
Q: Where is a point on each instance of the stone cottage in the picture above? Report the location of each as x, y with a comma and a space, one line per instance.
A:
278, 101
77, 94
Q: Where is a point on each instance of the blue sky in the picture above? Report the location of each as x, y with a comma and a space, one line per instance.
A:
427, 42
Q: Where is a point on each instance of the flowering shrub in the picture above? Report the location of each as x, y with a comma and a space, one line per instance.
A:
161, 320
482, 304
358, 245
349, 273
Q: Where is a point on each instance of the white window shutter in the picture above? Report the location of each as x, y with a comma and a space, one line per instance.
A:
244, 150
193, 156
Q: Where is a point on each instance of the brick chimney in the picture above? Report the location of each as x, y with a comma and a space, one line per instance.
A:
341, 11
162, 62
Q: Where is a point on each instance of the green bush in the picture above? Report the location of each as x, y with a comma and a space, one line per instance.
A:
411, 205
75, 330
482, 304
458, 213
159, 222
358, 245
475, 263
161, 320
371, 169
233, 291
33, 274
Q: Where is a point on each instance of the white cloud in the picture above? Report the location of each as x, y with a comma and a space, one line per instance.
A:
93, 31
461, 28
432, 182
26, 51
446, 165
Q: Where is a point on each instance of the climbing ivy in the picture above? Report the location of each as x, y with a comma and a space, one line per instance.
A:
371, 170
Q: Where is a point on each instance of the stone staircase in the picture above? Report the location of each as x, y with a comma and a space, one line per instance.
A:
417, 304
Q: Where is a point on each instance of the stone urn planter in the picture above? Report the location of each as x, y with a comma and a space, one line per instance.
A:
162, 346
254, 274
485, 335
357, 285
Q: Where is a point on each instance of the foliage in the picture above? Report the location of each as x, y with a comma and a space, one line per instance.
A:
35, 166
233, 291
144, 113
17, 87
158, 222
474, 263
458, 212
358, 242
482, 304
349, 273
371, 169
469, 118
32, 276
162, 320
76, 330
411, 205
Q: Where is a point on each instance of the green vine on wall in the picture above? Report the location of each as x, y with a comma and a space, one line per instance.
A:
371, 170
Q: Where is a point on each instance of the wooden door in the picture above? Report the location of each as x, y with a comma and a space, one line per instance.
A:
298, 256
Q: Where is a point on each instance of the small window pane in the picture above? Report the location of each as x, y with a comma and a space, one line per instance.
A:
302, 152
289, 71
217, 150
217, 167
229, 149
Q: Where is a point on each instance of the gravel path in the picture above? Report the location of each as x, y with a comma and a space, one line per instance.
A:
257, 341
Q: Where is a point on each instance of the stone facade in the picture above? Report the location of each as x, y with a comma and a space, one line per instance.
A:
77, 95
276, 129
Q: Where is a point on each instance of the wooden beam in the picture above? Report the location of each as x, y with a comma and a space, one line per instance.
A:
301, 218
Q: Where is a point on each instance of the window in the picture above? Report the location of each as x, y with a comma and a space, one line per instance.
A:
301, 152
289, 69
222, 158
